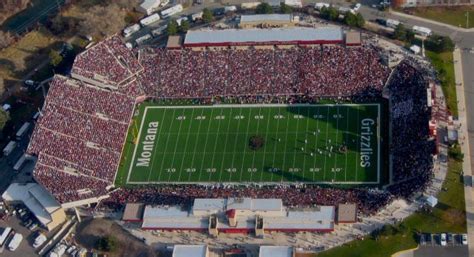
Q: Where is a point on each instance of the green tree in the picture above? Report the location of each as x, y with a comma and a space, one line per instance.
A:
106, 244
184, 26
207, 15
329, 13
409, 36
360, 21
55, 58
439, 44
284, 8
264, 8
172, 28
350, 19
4, 118
400, 32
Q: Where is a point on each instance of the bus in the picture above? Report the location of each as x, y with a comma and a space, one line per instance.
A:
4, 235
23, 130
422, 31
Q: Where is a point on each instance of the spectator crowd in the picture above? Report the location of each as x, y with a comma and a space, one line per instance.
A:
79, 137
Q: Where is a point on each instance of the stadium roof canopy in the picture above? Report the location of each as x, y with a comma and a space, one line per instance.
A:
276, 251
274, 36
190, 250
265, 17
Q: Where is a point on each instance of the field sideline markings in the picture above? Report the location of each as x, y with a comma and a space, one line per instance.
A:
160, 171
197, 143
136, 145
244, 152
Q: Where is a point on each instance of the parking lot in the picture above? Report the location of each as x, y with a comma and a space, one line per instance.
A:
432, 245
25, 248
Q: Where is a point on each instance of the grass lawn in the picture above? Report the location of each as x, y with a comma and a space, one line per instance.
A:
455, 16
295, 143
448, 216
443, 63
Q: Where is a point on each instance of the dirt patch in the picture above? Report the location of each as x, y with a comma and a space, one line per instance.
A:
89, 231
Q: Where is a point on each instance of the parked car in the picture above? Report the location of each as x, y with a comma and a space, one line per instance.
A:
29, 82
39, 240
464, 239
442, 239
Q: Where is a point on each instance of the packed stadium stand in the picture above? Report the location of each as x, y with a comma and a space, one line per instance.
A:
79, 137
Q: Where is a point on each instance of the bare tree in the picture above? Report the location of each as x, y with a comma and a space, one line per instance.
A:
6, 39
102, 21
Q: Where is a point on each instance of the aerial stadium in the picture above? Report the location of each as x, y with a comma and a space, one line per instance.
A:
254, 113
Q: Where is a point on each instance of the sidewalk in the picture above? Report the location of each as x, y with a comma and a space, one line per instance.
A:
407, 16
464, 141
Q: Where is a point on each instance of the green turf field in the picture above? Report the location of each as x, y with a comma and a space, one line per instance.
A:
302, 143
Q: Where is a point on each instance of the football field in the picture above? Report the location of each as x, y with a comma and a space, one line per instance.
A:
324, 143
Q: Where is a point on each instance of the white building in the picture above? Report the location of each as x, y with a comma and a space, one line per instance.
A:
190, 250
39, 201
149, 6
275, 251
239, 215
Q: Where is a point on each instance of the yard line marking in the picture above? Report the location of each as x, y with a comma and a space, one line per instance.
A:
191, 166
274, 150
244, 153
196, 144
176, 145
345, 143
296, 145
235, 143
325, 142
306, 133
317, 146
205, 146
164, 149
258, 126
225, 147
185, 146
286, 149
264, 149
335, 141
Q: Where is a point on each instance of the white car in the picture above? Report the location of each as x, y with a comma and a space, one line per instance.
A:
357, 7
442, 239
29, 82
464, 239
39, 240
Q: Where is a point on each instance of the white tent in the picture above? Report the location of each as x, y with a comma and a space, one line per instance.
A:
432, 201
415, 49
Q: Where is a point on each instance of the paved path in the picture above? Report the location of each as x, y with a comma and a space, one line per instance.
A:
464, 136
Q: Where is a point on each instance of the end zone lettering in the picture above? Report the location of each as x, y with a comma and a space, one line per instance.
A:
366, 150
148, 144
